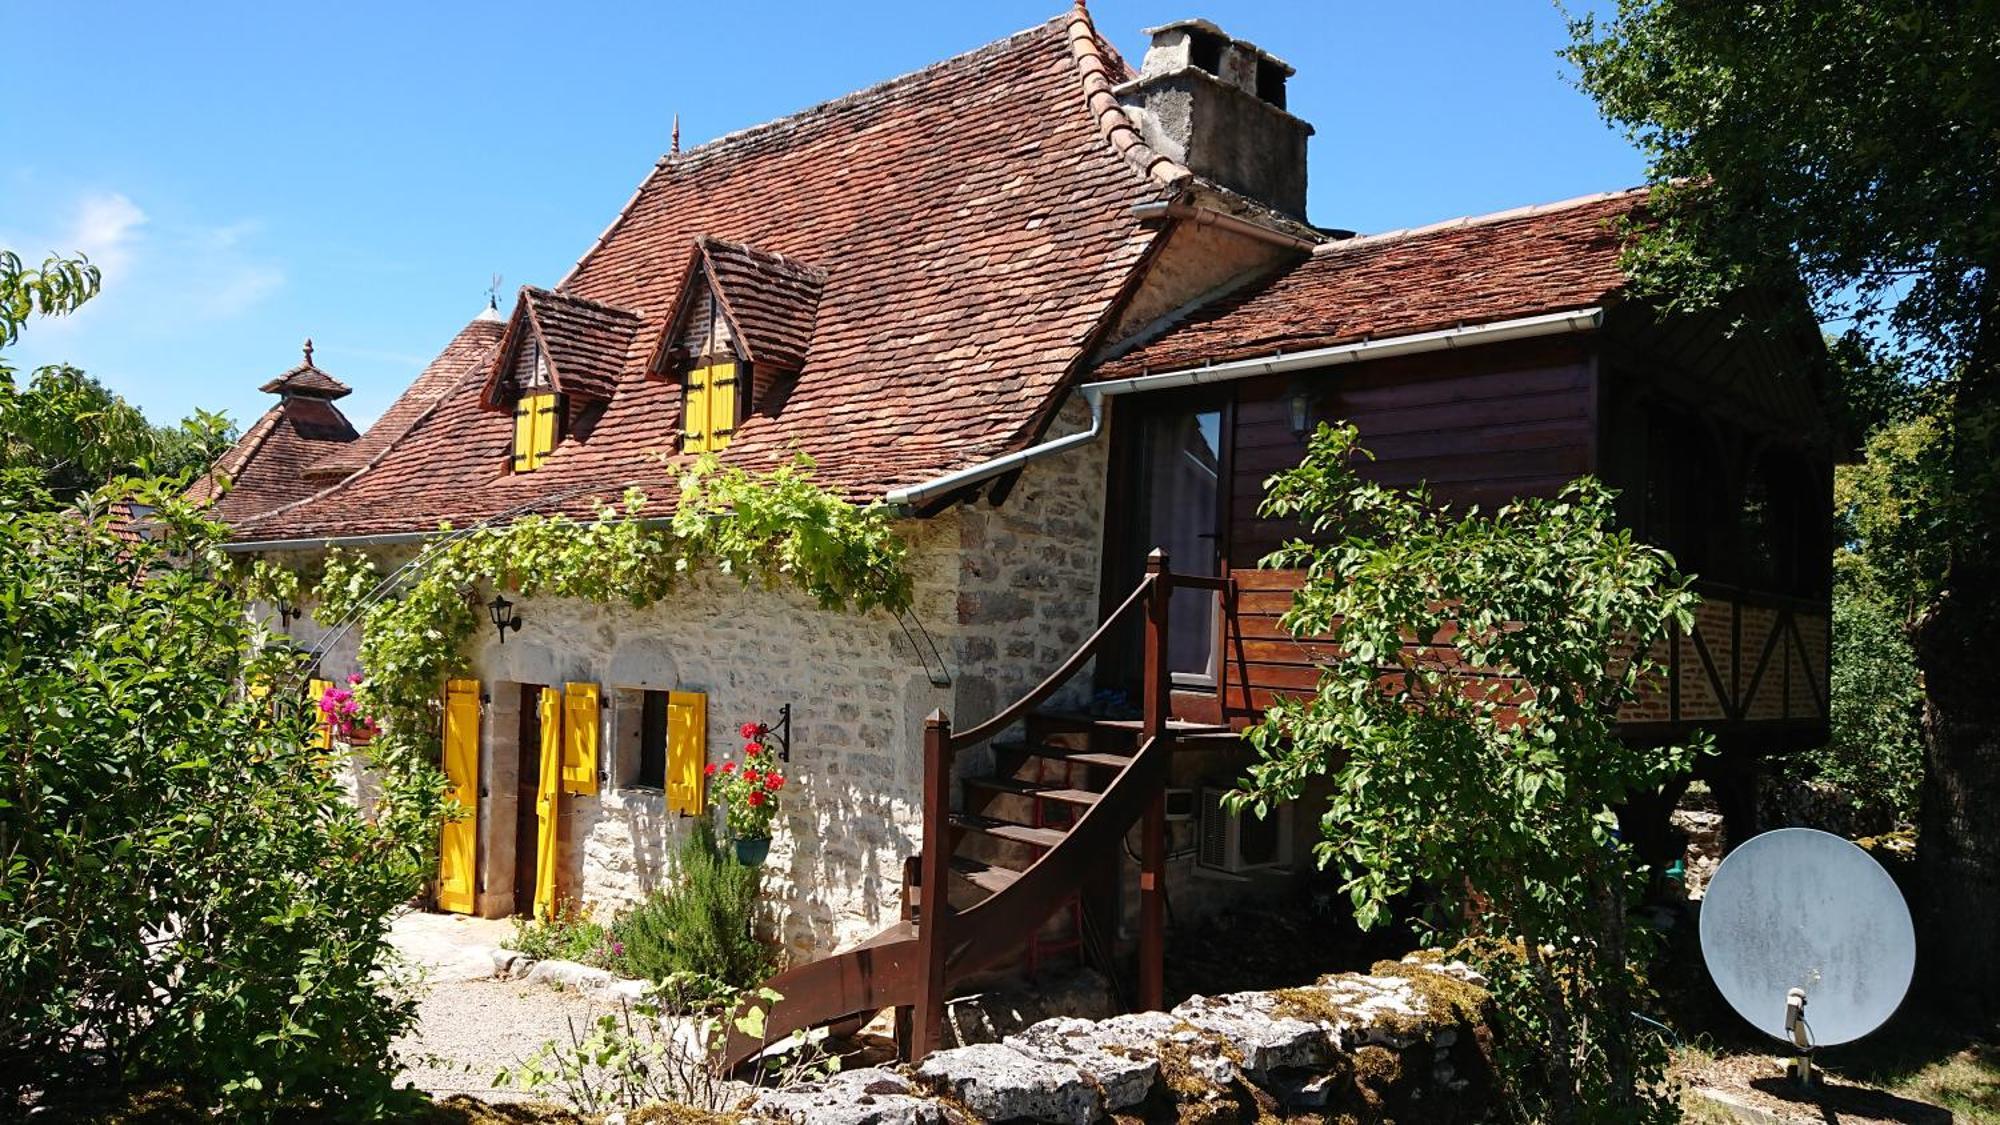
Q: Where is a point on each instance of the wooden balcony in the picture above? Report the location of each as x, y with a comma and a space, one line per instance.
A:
1753, 670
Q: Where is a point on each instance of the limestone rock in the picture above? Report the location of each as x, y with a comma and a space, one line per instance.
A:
570, 974
1121, 1055
857, 1097
1250, 1022
1002, 1084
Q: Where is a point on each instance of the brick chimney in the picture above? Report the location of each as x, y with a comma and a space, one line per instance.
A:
1217, 105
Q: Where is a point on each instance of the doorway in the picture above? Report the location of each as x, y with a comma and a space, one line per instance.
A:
526, 825
1170, 494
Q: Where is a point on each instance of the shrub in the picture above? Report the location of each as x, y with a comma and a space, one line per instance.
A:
1467, 715
569, 936
185, 895
700, 927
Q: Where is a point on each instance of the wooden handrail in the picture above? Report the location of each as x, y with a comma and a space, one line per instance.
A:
1013, 712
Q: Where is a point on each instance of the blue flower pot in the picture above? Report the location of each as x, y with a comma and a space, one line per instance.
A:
752, 851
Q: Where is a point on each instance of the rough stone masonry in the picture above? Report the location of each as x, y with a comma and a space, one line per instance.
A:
1407, 1042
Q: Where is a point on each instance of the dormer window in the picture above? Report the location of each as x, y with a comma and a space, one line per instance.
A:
559, 352
741, 328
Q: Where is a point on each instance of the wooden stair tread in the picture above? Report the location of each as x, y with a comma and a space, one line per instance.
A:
1174, 726
1031, 789
1008, 830
904, 930
983, 875
1057, 753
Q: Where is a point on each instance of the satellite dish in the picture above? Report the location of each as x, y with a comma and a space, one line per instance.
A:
1798, 911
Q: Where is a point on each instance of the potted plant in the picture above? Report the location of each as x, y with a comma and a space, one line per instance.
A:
748, 795
342, 712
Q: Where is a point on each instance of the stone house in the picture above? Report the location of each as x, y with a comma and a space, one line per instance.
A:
1058, 312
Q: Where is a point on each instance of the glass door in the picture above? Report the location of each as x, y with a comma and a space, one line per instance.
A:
1180, 487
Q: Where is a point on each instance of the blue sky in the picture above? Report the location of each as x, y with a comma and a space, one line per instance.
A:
251, 174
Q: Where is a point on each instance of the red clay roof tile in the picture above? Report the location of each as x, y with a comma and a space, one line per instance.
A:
974, 224
1552, 258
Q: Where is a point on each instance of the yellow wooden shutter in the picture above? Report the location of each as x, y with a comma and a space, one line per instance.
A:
315, 691
579, 768
524, 434
548, 804
694, 413
546, 416
458, 848
687, 751
535, 424
721, 405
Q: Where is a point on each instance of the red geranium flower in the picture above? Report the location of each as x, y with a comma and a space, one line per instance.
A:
729, 767
773, 782
750, 775
752, 730
711, 769
756, 797
750, 748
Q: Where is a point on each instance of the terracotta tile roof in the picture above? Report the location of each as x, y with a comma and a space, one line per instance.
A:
1552, 258
305, 379
771, 301
267, 467
468, 351
585, 341
974, 223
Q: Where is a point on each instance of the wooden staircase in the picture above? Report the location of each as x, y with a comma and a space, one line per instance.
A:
1025, 869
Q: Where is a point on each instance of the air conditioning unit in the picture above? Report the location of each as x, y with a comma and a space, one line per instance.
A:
1239, 842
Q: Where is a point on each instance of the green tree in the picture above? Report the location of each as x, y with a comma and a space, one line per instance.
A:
1856, 144
185, 895
1467, 713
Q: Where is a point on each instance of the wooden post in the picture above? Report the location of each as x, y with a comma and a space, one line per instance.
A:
1153, 849
934, 923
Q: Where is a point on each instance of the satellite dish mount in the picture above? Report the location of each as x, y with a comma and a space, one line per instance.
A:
1801, 1068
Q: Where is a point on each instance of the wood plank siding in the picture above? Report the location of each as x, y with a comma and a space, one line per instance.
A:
1483, 426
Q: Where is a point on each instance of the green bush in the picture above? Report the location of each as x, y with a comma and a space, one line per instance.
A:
569, 936
1875, 749
701, 925
186, 896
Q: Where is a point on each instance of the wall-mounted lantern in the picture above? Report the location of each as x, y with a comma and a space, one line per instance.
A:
501, 611
288, 613
1300, 405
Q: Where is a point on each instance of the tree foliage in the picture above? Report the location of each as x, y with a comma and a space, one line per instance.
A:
185, 895
1856, 144
1473, 668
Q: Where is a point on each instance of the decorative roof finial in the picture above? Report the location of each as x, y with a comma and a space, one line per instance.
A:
309, 351
677, 135
493, 294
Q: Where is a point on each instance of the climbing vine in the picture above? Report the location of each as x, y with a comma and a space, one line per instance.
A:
768, 529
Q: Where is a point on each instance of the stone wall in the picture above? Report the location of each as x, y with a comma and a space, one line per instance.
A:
1407, 1042
1003, 595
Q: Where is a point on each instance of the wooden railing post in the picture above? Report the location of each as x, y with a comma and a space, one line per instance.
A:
934, 921
1153, 848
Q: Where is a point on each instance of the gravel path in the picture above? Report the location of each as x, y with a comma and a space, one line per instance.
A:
469, 1023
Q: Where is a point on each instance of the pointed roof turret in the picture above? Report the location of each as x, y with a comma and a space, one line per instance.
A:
307, 381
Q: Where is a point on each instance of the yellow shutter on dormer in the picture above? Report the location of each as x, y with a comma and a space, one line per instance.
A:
579, 760
534, 430
694, 413
721, 405
524, 434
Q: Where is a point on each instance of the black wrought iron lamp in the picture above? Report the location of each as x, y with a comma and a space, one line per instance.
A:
288, 613
501, 611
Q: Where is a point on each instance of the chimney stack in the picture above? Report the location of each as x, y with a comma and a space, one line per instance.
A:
1217, 105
